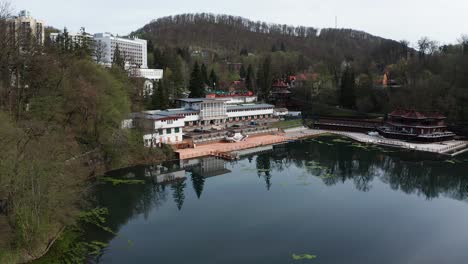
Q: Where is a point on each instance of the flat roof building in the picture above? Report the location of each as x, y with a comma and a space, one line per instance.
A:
133, 50
166, 126
25, 28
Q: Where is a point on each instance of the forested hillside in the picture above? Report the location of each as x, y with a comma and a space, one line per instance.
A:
343, 68
230, 35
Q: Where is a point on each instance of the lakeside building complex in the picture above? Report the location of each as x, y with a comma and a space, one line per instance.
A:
168, 126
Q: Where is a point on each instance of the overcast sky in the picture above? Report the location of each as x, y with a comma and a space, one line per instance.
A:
443, 20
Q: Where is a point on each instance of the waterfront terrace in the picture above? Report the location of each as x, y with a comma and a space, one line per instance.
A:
195, 114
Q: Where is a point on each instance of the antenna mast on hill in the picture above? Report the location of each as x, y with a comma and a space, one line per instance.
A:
336, 22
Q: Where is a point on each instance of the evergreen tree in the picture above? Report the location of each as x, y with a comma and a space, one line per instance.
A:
204, 74
301, 63
283, 47
347, 95
196, 83
249, 78
213, 79
150, 46
84, 48
158, 59
156, 97
164, 95
244, 52
274, 48
242, 72
265, 79
119, 59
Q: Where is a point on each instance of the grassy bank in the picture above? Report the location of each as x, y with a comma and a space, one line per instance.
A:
286, 124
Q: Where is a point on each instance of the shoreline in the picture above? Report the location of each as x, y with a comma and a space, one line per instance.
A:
447, 148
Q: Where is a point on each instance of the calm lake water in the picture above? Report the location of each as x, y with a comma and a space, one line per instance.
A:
340, 201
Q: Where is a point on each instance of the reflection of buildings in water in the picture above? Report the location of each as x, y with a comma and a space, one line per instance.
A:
213, 166
252, 151
163, 174
206, 167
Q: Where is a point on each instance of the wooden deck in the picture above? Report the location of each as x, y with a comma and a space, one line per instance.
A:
214, 149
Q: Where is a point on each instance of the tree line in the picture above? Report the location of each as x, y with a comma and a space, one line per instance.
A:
227, 36
60, 119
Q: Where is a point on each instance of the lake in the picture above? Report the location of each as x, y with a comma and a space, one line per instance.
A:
333, 199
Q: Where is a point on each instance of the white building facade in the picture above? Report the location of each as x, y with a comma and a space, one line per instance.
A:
168, 126
76, 38
24, 27
133, 50
159, 129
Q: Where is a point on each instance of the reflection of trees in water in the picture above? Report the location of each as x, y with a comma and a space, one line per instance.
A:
125, 201
263, 162
342, 162
198, 182
346, 163
178, 193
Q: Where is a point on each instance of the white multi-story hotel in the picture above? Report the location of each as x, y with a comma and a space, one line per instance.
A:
133, 50
24, 27
78, 38
166, 126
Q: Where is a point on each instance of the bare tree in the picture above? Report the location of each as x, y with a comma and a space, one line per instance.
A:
463, 40
427, 46
6, 53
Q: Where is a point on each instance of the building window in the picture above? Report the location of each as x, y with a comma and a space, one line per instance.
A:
170, 122
169, 131
160, 131
176, 130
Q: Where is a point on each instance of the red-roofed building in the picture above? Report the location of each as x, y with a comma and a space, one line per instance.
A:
416, 125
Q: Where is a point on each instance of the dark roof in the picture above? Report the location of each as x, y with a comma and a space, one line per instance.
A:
248, 106
159, 115
199, 100
413, 114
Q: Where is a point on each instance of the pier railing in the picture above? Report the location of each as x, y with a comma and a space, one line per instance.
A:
394, 143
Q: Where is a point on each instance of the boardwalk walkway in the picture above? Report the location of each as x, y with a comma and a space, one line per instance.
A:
452, 147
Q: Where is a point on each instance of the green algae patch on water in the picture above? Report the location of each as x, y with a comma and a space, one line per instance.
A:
361, 146
327, 176
339, 140
115, 181
303, 256
316, 167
